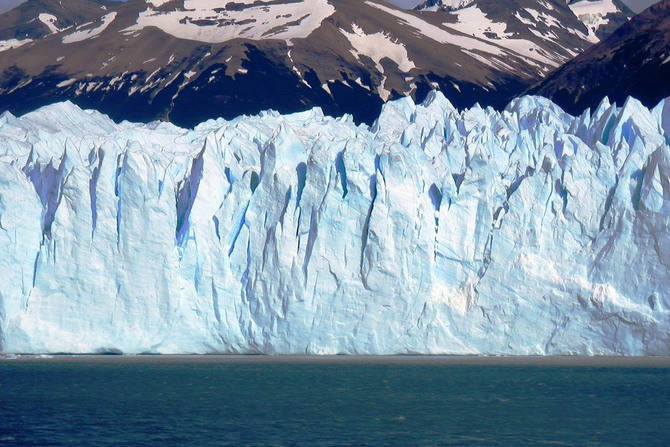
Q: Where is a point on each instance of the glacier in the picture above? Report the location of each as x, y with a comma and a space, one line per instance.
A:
433, 231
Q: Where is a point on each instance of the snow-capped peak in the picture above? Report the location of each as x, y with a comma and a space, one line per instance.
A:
210, 22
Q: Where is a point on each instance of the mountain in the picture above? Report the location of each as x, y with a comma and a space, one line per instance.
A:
526, 231
37, 19
601, 17
189, 60
634, 61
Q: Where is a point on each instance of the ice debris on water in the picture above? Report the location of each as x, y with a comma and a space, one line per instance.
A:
526, 231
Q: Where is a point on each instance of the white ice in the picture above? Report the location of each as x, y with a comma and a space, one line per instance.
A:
527, 231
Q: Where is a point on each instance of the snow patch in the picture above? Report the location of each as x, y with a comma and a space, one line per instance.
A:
66, 83
441, 35
12, 43
472, 20
326, 88
213, 22
50, 21
449, 4
377, 46
85, 34
593, 14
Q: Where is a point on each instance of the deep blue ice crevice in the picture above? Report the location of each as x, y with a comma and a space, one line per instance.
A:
48, 183
185, 195
311, 239
95, 156
121, 162
301, 171
216, 222
253, 181
234, 235
606, 219
341, 172
366, 224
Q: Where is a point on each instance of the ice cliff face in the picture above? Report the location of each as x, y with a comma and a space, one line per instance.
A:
434, 231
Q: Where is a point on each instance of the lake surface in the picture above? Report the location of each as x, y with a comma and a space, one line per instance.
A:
333, 401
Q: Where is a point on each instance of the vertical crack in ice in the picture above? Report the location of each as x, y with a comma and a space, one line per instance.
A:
562, 193
35, 265
638, 177
187, 190
341, 170
52, 201
118, 179
436, 199
229, 179
92, 187
611, 121
608, 203
47, 182
287, 202
216, 227
366, 225
458, 180
486, 255
311, 238
237, 229
254, 181
215, 303
301, 170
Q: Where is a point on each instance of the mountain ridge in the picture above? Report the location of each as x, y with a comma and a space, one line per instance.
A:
171, 60
633, 61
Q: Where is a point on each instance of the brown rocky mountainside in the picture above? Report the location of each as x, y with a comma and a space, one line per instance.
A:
188, 60
634, 61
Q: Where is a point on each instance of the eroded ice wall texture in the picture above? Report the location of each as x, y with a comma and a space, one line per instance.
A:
434, 231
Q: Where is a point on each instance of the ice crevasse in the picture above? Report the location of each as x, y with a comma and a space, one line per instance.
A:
526, 231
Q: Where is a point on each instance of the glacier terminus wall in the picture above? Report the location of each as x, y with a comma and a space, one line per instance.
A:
437, 231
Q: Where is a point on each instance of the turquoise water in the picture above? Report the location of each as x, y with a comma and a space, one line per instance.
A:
112, 401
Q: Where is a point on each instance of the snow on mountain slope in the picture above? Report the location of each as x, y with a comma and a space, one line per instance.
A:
527, 231
208, 21
437, 5
37, 19
545, 33
472, 20
631, 62
442, 34
85, 31
601, 17
12, 43
50, 21
189, 60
